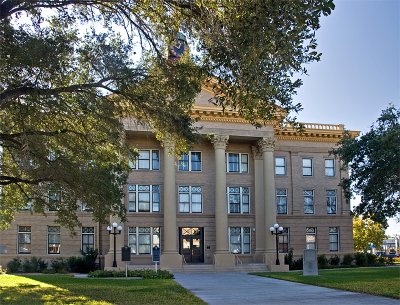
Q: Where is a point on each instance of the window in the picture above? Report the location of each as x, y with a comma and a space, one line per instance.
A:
308, 201
239, 200
281, 201
54, 200
190, 199
307, 167
280, 166
85, 208
330, 167
24, 239
237, 163
284, 241
143, 198
190, 162
143, 239
311, 238
147, 159
331, 201
333, 239
239, 240
87, 239
53, 240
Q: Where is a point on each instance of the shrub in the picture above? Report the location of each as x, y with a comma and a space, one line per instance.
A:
371, 259
347, 260
58, 265
33, 264
15, 265
334, 260
144, 273
297, 264
83, 264
322, 261
289, 257
361, 259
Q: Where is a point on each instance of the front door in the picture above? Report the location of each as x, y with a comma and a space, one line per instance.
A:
191, 244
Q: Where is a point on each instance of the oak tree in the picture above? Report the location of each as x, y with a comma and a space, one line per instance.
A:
71, 69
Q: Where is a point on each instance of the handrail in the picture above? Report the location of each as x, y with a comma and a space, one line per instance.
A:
184, 260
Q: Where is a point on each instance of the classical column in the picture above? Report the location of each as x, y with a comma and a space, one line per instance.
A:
170, 258
259, 203
267, 146
222, 256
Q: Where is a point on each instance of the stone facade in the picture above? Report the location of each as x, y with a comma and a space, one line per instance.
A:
207, 229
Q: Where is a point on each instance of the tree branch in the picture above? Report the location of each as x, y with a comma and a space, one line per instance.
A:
7, 180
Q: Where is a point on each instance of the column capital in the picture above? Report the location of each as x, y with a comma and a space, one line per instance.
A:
219, 141
257, 153
266, 144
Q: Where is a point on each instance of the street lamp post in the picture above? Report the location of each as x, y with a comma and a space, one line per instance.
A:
276, 230
114, 229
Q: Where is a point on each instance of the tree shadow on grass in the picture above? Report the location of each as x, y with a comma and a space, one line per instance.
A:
21, 290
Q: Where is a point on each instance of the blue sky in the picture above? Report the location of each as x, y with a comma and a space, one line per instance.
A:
359, 73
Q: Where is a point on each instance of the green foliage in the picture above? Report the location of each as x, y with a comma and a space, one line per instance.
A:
84, 263
67, 76
360, 259
348, 259
15, 265
322, 261
366, 232
59, 265
334, 260
374, 163
145, 274
33, 264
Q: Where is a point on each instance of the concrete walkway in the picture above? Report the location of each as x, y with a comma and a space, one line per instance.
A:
234, 288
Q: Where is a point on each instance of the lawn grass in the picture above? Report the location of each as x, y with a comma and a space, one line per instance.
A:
375, 281
65, 289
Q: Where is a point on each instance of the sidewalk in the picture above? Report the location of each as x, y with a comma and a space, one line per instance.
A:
234, 288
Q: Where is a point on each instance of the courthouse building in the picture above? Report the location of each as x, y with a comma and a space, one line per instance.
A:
214, 205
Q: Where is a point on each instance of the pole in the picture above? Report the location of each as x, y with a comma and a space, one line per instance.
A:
277, 242
115, 249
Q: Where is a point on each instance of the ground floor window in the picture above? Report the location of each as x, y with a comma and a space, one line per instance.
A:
284, 241
143, 239
53, 239
333, 239
239, 240
311, 238
24, 239
87, 239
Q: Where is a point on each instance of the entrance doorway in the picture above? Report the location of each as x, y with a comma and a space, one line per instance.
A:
191, 244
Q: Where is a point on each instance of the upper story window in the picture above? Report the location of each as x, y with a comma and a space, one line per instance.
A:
147, 159
331, 201
143, 198
190, 162
307, 167
237, 163
308, 201
54, 199
85, 208
239, 200
24, 239
330, 167
190, 199
87, 239
53, 240
281, 201
239, 240
280, 166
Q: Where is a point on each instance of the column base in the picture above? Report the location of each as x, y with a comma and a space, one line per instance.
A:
171, 261
224, 261
259, 256
270, 261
